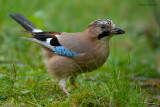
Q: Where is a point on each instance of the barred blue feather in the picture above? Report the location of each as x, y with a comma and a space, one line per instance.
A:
60, 50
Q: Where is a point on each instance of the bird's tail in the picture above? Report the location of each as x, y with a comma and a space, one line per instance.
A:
23, 21
31, 28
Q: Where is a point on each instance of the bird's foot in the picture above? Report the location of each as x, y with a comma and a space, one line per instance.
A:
62, 85
65, 91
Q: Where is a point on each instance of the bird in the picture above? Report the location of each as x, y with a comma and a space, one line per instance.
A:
69, 54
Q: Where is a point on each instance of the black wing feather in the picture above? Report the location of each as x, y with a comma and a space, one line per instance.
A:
54, 42
42, 37
29, 26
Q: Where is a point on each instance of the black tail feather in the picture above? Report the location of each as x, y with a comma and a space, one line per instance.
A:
29, 26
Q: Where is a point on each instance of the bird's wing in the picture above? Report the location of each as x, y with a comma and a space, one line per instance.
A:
50, 40
60, 43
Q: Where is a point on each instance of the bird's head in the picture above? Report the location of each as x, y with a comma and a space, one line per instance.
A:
103, 28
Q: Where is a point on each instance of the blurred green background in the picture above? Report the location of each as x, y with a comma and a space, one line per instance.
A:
134, 54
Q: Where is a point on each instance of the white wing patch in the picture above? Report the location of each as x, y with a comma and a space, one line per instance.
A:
36, 30
48, 40
40, 42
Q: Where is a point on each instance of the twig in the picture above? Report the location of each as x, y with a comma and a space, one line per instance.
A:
146, 79
14, 79
149, 103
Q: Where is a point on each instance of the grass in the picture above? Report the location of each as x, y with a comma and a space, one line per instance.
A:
39, 89
23, 77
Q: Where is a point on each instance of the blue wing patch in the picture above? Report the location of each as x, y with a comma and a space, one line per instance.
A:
60, 50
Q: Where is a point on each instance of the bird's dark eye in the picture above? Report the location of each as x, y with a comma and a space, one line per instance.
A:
103, 26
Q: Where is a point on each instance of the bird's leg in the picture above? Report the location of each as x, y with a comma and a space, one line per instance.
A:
62, 85
72, 80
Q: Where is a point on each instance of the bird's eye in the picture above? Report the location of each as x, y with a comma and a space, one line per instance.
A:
103, 26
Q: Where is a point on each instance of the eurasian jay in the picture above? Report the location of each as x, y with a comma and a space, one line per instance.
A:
70, 54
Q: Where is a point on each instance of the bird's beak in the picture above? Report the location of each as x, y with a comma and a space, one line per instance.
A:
117, 31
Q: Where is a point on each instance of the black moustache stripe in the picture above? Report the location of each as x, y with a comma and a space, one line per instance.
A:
103, 34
